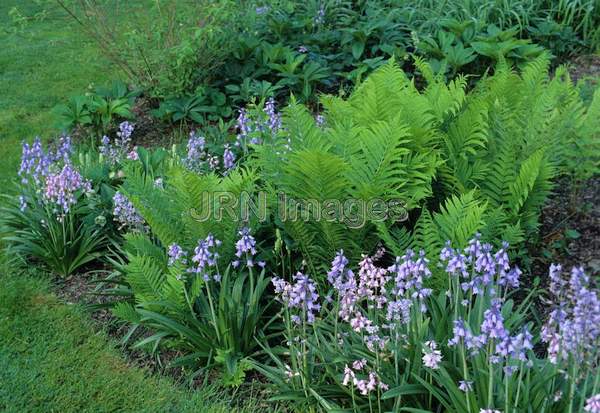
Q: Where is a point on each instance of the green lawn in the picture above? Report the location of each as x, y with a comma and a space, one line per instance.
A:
53, 361
42, 63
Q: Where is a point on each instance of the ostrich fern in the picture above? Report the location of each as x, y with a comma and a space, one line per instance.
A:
462, 161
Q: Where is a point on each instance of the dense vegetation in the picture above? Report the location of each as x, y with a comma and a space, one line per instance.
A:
207, 58
412, 142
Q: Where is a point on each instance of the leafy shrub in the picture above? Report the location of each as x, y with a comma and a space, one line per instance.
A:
379, 340
167, 48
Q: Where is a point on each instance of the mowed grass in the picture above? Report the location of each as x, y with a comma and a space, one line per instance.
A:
53, 361
42, 63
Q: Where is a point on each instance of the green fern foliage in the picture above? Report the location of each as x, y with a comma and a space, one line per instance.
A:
192, 205
461, 161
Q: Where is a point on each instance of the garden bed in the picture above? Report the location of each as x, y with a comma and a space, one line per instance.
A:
403, 177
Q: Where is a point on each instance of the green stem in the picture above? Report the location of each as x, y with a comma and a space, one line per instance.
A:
583, 393
518, 386
572, 377
506, 392
490, 377
466, 376
212, 310
251, 274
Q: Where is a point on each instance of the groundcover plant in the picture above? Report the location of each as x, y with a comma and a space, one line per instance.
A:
202, 60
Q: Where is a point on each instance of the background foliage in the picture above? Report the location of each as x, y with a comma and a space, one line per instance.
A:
201, 59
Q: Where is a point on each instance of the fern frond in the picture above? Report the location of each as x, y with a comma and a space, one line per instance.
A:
146, 278
126, 312
525, 181
460, 218
375, 169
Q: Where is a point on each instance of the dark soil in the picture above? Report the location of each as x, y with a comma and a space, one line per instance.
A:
585, 68
149, 131
81, 289
570, 228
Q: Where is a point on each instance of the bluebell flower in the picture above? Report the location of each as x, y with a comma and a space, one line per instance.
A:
228, 158
176, 253
125, 213
60, 188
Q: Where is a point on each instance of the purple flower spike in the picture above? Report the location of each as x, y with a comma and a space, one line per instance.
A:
196, 153
274, 117
493, 322
176, 253
243, 126
22, 203
228, 158
125, 213
61, 187
301, 295
204, 254
246, 244
510, 278
573, 326
335, 276
35, 162
125, 132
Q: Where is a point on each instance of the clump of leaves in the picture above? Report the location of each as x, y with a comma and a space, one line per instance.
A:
98, 110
